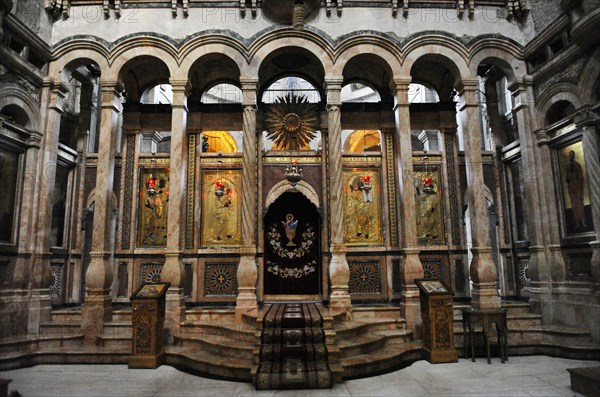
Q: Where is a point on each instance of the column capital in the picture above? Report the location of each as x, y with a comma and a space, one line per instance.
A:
180, 85
587, 116
333, 82
402, 83
249, 91
468, 91
181, 89
542, 136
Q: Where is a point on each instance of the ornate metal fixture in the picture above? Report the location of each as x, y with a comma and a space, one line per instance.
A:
293, 173
292, 121
426, 179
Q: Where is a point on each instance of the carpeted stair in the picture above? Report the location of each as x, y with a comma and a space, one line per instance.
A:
293, 354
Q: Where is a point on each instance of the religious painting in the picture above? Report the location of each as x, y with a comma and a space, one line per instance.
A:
362, 206
429, 205
9, 166
153, 207
577, 211
221, 208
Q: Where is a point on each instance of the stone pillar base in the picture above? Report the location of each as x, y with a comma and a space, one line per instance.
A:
40, 311
339, 275
247, 275
410, 308
484, 296
246, 304
174, 313
97, 310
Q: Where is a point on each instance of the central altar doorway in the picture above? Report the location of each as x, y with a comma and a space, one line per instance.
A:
292, 263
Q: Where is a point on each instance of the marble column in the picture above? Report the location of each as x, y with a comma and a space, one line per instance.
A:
172, 270
247, 272
339, 271
483, 269
588, 119
97, 306
540, 269
411, 267
53, 97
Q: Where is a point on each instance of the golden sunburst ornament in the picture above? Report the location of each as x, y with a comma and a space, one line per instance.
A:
292, 121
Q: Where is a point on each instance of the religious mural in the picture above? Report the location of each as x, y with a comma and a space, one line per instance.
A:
429, 206
154, 207
577, 211
221, 208
9, 162
362, 207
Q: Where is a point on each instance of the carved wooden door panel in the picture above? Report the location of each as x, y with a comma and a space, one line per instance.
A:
292, 246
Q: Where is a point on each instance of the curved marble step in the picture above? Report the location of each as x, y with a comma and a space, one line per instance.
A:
217, 345
394, 355
208, 363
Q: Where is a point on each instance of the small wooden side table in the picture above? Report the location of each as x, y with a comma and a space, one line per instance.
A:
486, 318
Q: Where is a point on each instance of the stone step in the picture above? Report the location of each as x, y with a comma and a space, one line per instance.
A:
354, 328
60, 329
217, 345
205, 362
369, 343
26, 344
383, 360
242, 332
66, 315
211, 314
374, 311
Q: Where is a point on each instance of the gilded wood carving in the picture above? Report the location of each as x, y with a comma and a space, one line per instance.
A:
362, 207
429, 206
153, 207
221, 212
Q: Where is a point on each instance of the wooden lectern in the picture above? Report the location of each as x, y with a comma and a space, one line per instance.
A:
438, 318
148, 319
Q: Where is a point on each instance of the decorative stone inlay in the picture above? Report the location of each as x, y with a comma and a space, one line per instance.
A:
524, 278
56, 280
432, 269
452, 188
220, 279
365, 277
292, 272
150, 272
391, 188
191, 192
128, 191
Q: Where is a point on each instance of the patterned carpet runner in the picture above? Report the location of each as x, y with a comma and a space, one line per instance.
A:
293, 353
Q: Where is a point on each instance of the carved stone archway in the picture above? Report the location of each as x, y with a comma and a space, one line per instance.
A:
284, 186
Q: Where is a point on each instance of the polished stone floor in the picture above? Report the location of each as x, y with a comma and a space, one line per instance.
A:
521, 376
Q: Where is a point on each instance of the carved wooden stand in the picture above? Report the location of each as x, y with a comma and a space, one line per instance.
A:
148, 319
437, 315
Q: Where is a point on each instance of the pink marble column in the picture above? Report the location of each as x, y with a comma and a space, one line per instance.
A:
97, 306
247, 272
53, 96
588, 119
172, 270
483, 269
411, 267
339, 271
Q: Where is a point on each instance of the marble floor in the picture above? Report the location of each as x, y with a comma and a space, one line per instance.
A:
521, 376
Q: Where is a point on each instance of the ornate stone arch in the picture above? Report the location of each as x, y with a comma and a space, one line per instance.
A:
590, 77
284, 186
278, 39
559, 92
15, 94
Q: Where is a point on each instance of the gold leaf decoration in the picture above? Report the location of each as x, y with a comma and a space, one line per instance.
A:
292, 122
